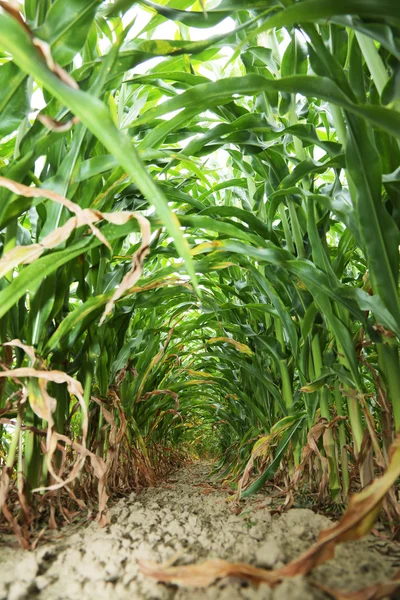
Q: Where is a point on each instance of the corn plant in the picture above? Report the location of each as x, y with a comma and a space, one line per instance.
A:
199, 244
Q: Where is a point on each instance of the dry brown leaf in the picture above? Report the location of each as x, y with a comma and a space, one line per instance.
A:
99, 469
4, 483
5, 477
173, 395
73, 385
312, 448
260, 449
18, 532
109, 471
29, 350
13, 8
23, 255
20, 255
52, 519
138, 257
356, 522
44, 406
45, 51
315, 433
206, 573
57, 126
84, 216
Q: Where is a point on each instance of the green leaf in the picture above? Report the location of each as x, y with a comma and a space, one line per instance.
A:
274, 465
222, 91
67, 26
96, 117
379, 232
14, 101
32, 274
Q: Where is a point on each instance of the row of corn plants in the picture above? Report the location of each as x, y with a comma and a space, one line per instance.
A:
200, 253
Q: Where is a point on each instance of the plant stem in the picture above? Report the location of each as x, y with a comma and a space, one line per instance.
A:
286, 229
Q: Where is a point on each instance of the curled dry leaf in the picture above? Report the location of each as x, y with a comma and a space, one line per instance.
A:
315, 433
45, 51
380, 457
23, 255
74, 387
261, 449
29, 350
98, 466
44, 406
13, 9
17, 529
357, 521
138, 257
84, 216
206, 573
4, 483
312, 448
173, 395
115, 436
99, 469
57, 126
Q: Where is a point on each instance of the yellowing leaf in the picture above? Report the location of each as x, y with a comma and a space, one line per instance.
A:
222, 265
238, 345
312, 387
205, 246
199, 373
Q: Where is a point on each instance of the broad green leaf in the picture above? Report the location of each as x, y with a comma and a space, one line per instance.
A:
96, 117
379, 232
14, 101
67, 26
221, 92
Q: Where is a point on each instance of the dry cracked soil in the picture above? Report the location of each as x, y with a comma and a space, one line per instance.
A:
179, 520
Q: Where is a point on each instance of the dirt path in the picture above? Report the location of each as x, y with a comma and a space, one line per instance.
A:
179, 519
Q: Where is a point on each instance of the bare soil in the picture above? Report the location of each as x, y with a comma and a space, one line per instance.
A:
186, 519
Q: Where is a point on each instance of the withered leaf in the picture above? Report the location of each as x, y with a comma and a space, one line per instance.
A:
206, 573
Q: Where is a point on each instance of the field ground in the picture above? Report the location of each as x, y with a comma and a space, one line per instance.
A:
188, 519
